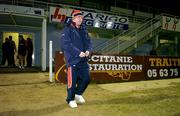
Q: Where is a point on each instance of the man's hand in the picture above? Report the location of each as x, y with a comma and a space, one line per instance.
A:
87, 53
82, 54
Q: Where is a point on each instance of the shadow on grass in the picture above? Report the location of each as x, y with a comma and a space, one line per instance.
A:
177, 114
25, 83
133, 100
33, 112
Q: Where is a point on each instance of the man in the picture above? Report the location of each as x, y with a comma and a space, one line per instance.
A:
5, 52
76, 46
29, 47
153, 51
12, 50
21, 51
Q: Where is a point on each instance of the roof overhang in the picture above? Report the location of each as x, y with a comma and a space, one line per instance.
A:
20, 20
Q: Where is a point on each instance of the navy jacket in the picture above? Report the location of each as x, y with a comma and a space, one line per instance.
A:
74, 41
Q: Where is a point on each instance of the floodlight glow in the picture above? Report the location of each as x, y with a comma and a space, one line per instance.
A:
109, 25
96, 23
32, 56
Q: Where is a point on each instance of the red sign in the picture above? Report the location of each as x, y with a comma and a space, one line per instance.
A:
115, 68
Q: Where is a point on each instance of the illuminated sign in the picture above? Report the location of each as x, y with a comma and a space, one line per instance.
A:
22, 9
115, 68
171, 23
100, 20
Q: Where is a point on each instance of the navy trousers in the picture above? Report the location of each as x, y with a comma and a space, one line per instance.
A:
78, 78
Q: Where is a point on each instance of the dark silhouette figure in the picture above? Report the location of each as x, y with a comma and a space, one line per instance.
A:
153, 51
29, 46
12, 50
21, 51
5, 48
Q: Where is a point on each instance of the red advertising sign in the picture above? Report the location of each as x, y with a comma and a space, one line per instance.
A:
120, 68
93, 19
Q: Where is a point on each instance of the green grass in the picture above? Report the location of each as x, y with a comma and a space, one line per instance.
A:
154, 102
44, 99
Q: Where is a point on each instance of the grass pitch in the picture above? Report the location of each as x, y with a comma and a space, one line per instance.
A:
33, 95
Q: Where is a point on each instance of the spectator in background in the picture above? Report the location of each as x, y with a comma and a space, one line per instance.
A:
29, 46
21, 52
12, 50
153, 51
5, 48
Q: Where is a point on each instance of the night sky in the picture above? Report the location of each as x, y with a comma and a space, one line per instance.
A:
167, 5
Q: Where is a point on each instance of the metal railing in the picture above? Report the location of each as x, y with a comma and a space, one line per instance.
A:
115, 39
125, 40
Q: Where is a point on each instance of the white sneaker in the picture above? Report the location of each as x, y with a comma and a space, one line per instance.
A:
79, 99
73, 104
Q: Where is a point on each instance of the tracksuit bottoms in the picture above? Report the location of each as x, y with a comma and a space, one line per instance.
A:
78, 78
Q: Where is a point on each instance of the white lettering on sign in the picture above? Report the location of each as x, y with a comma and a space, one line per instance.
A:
64, 15
107, 63
120, 59
115, 67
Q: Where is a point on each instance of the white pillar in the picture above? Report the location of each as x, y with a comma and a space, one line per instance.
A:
50, 62
43, 52
156, 41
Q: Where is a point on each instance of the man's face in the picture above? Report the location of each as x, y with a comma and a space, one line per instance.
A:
78, 20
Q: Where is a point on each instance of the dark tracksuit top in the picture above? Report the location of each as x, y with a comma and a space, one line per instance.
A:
74, 41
